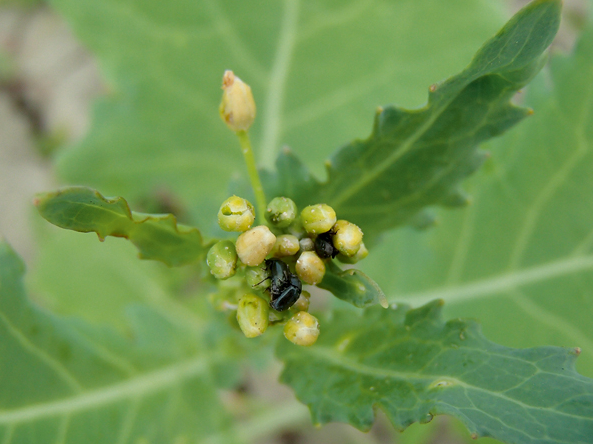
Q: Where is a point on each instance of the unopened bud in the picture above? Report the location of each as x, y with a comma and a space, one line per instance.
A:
286, 245
254, 245
252, 315
318, 218
257, 277
302, 303
307, 244
281, 212
236, 214
310, 268
360, 255
222, 259
347, 238
302, 329
237, 108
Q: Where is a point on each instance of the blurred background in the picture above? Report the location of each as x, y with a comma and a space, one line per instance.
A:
49, 82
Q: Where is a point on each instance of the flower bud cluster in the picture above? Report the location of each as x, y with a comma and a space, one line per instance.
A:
272, 262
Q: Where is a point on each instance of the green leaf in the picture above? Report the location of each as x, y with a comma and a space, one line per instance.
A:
414, 159
158, 127
62, 380
521, 256
352, 286
157, 237
73, 274
412, 365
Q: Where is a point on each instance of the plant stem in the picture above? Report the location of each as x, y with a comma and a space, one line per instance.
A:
258, 189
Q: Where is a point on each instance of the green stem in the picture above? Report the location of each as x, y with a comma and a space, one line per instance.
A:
258, 189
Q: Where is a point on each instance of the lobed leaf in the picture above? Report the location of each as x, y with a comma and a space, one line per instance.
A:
414, 159
62, 380
413, 365
522, 253
157, 237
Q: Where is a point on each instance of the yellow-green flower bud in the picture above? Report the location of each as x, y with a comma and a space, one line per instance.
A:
222, 259
347, 238
281, 212
237, 108
252, 315
307, 244
318, 218
302, 303
286, 245
257, 277
236, 214
310, 268
254, 245
360, 255
302, 329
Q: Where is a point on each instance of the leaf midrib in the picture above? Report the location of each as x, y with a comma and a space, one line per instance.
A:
277, 84
137, 387
488, 287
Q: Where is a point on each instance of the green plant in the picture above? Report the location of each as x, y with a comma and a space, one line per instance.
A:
524, 244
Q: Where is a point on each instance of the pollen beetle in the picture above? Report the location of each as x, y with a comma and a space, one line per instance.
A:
285, 287
324, 246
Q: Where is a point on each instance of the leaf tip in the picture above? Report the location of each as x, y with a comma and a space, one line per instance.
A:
474, 436
426, 418
423, 220
456, 199
577, 351
432, 88
430, 311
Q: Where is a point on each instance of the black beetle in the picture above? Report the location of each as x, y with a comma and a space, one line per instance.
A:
324, 246
285, 288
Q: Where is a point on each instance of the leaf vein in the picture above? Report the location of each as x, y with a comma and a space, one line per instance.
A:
127, 425
551, 319
34, 350
327, 354
277, 84
488, 287
144, 385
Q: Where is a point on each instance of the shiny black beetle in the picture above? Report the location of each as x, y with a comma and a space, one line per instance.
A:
285, 287
324, 246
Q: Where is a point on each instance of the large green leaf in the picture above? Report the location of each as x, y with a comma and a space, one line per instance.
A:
96, 281
521, 257
412, 365
317, 69
157, 236
414, 159
62, 380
